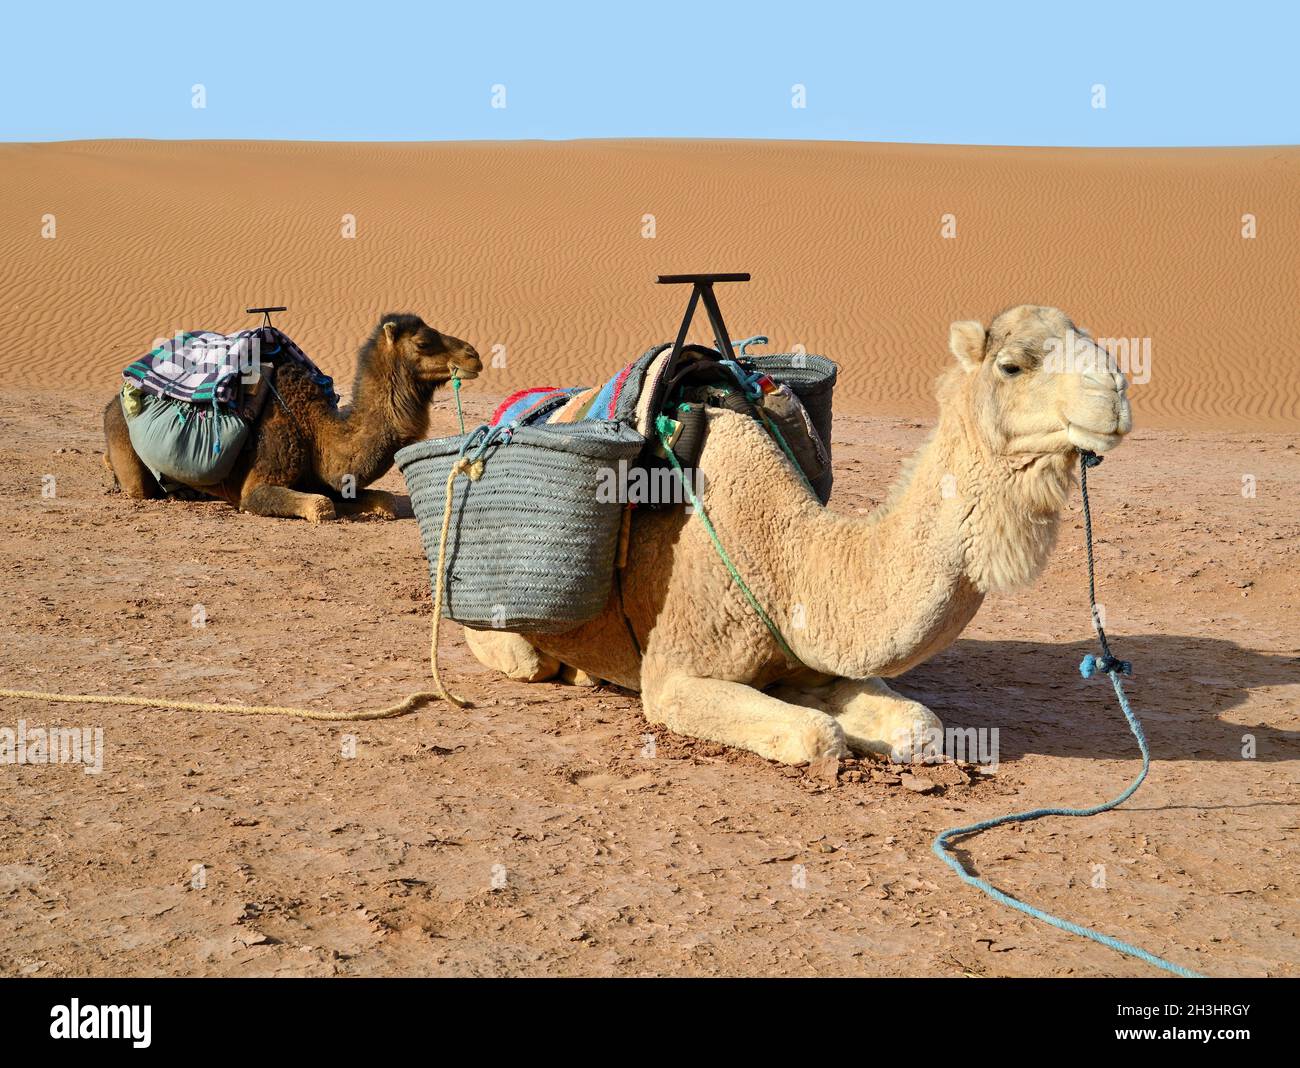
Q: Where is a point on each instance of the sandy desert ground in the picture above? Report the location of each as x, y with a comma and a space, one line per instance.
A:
532, 834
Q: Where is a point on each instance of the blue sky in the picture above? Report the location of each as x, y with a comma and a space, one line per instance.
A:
967, 73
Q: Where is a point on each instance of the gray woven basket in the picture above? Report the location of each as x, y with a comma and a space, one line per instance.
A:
530, 547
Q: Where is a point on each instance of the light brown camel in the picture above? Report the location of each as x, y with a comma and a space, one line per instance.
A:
298, 463
858, 599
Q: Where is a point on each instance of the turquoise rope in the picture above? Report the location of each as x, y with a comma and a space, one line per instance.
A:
941, 845
455, 389
742, 347
1090, 666
772, 428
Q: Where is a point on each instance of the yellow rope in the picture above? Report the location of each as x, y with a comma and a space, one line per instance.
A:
472, 470
398, 709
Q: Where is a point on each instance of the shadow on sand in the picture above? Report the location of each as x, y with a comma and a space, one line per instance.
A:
1182, 689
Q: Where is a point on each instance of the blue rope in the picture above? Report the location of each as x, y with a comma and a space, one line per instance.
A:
742, 346
1090, 666
747, 380
483, 437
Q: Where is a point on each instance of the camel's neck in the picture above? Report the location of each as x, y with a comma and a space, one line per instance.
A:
389, 410
904, 581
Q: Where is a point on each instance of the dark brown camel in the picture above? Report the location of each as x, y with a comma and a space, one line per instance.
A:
300, 463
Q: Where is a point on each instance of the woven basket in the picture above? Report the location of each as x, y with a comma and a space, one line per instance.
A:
530, 547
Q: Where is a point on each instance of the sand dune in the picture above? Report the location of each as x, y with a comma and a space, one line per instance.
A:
538, 248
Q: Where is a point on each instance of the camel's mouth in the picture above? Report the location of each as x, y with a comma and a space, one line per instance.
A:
464, 365
1092, 440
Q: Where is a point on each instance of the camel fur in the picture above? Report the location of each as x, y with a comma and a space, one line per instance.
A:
858, 598
306, 459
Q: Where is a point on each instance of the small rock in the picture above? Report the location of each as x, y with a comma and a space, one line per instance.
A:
254, 938
916, 783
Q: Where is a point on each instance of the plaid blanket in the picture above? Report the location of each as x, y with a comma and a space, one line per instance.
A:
204, 367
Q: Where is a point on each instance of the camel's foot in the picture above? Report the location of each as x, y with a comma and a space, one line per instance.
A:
875, 719
577, 677
740, 716
511, 654
287, 504
374, 502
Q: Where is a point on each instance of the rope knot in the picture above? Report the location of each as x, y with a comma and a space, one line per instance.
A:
1089, 459
471, 469
1092, 665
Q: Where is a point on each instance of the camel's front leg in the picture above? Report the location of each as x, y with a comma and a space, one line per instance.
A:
875, 719
740, 716
288, 503
370, 502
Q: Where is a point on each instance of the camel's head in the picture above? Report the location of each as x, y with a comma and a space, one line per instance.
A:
433, 358
1036, 385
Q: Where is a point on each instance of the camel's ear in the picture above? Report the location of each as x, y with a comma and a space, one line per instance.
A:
966, 340
390, 332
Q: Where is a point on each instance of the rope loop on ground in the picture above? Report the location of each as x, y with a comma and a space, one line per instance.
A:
1091, 665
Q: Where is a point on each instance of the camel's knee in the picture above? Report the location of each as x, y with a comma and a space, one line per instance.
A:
511, 654
130, 476
128, 472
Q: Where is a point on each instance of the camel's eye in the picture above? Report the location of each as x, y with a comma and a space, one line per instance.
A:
1010, 369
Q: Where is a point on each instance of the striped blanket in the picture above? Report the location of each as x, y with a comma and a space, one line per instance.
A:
204, 367
624, 396
773, 389
572, 404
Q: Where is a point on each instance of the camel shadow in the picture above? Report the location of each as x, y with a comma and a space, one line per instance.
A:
402, 501
1180, 690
